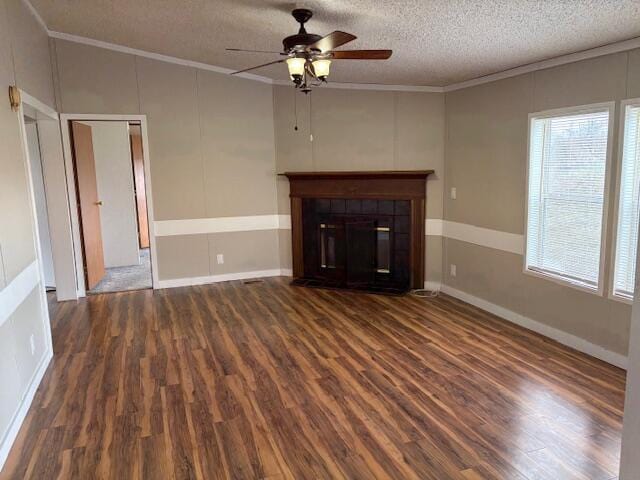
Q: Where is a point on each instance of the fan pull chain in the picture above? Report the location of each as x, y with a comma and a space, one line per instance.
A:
310, 121
295, 109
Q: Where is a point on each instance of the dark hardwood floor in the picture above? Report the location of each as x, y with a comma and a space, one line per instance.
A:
265, 380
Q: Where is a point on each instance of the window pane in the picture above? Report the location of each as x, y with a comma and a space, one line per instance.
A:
567, 168
628, 207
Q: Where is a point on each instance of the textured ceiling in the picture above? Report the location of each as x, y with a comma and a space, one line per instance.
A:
435, 42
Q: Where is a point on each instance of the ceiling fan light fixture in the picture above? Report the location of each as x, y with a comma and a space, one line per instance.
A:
296, 68
308, 55
321, 68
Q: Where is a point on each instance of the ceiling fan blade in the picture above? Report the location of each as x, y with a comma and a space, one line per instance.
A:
253, 51
259, 66
331, 41
361, 54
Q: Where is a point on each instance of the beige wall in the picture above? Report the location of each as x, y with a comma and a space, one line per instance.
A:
211, 147
24, 60
486, 155
362, 130
216, 143
252, 251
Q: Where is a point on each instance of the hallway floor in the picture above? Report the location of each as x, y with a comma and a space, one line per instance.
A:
121, 279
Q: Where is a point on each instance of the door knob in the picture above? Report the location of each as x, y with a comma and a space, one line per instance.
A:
99, 203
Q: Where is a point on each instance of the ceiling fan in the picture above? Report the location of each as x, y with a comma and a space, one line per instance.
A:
309, 56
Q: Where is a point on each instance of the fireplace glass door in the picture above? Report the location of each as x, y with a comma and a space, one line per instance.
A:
361, 252
361, 244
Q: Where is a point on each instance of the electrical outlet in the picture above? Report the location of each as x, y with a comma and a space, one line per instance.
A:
454, 193
220, 259
453, 269
33, 345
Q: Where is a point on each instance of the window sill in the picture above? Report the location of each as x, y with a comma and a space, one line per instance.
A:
621, 298
564, 282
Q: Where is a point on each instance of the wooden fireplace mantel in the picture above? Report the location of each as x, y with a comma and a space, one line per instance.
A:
361, 174
396, 185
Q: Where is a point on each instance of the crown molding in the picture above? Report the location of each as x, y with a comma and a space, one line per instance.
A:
608, 49
213, 68
155, 56
37, 16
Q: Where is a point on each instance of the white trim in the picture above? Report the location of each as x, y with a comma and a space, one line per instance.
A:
225, 277
549, 63
620, 298
155, 56
432, 286
73, 208
23, 408
37, 16
485, 237
614, 243
149, 196
38, 105
560, 336
284, 222
12, 295
115, 117
65, 118
195, 226
434, 227
44, 305
590, 108
574, 110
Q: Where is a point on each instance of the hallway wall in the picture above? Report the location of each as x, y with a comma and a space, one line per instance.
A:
212, 155
25, 350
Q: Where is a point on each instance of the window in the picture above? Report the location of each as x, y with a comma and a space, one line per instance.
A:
566, 195
628, 206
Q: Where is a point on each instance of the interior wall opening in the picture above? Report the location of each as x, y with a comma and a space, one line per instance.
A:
108, 161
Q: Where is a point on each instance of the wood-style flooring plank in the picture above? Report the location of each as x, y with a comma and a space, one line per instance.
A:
268, 381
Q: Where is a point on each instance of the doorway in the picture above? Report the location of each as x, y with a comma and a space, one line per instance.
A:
108, 160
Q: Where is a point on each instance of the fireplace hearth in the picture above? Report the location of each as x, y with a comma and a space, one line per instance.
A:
358, 230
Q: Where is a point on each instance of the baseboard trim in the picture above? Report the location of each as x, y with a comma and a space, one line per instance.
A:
226, 277
21, 413
432, 286
560, 336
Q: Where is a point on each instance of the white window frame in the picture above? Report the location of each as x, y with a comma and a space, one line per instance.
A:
557, 112
635, 102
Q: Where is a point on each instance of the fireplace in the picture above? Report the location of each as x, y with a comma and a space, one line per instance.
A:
358, 230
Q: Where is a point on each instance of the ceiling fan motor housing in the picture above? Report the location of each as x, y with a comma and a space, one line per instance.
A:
302, 38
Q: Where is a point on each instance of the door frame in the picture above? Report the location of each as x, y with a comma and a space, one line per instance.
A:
65, 124
43, 111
